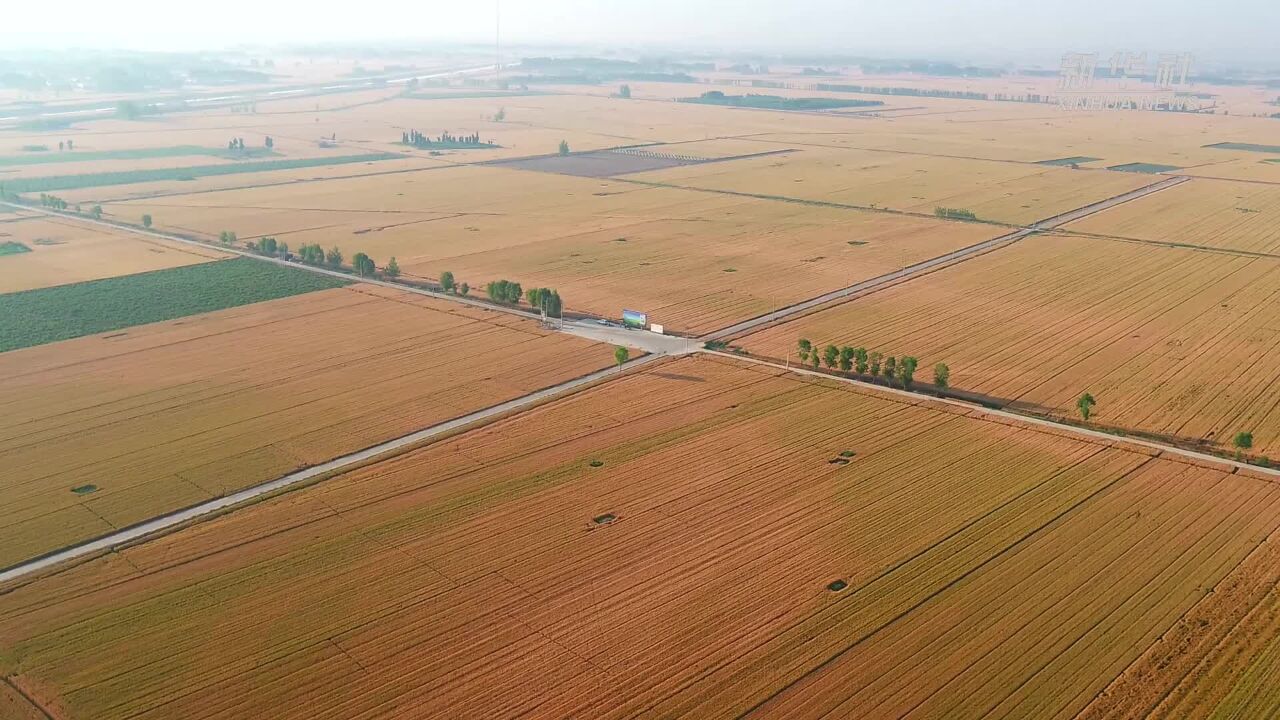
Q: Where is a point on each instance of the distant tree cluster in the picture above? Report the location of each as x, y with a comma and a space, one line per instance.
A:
312, 254
954, 213
564, 147
901, 371
544, 299
504, 291
420, 141
227, 237
52, 201
235, 144
68, 145
268, 246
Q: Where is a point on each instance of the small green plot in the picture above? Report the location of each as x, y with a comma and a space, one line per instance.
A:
1247, 147
1138, 167
13, 248
1076, 160
84, 489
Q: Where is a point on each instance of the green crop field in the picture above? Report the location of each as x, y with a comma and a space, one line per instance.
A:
1248, 147
1078, 159
13, 248
132, 154
36, 317
774, 102
72, 182
1144, 167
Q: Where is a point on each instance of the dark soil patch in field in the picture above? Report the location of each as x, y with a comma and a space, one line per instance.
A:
1248, 147
609, 163
1078, 159
1151, 168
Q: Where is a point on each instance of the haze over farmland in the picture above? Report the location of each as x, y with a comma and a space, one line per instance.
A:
560, 360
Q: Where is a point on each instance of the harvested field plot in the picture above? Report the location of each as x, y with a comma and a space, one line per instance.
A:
996, 191
35, 317
623, 161
62, 252
1203, 213
1076, 160
170, 414
1248, 147
1168, 340
696, 555
1142, 167
695, 261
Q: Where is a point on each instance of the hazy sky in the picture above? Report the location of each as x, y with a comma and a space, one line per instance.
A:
1216, 30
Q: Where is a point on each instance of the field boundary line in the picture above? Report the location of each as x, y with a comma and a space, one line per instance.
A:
23, 694
165, 523
1087, 435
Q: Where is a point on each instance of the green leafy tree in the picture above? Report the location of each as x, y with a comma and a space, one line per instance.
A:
267, 246
831, 355
146, 221
941, 375
226, 237
393, 268
269, 142
625, 92
890, 368
446, 281
814, 359
873, 363
1085, 406
363, 265
907, 371
334, 257
1242, 441
514, 293
846, 358
283, 248
803, 348
464, 289
554, 306
500, 115
96, 211
533, 296
564, 147
621, 354
860, 360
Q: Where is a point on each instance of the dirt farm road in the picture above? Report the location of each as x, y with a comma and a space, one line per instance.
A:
657, 346
925, 266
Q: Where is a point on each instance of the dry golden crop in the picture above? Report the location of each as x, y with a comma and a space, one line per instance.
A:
166, 415
701, 539
1201, 213
1168, 340
63, 252
694, 261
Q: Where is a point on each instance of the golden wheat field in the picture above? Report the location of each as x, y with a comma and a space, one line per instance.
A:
63, 251
1005, 192
1203, 213
695, 261
166, 415
703, 539
1168, 340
